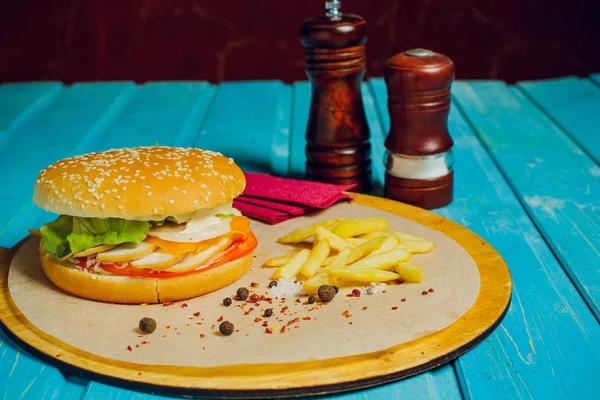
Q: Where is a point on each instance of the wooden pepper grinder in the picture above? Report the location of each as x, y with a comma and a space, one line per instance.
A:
419, 159
337, 134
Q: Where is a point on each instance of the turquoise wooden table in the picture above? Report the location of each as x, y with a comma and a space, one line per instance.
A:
527, 180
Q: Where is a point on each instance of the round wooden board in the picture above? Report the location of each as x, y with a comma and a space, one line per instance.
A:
293, 379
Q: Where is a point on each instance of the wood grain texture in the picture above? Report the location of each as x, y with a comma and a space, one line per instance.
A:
556, 181
304, 377
574, 105
524, 357
19, 101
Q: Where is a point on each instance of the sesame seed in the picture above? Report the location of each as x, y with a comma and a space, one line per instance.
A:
120, 207
171, 201
155, 211
195, 201
118, 197
149, 194
184, 191
206, 198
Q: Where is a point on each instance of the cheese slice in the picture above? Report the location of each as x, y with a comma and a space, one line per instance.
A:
127, 252
194, 260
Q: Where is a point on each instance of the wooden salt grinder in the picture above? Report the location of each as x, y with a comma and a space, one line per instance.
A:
337, 134
419, 158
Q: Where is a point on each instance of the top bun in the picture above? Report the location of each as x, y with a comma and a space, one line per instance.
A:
144, 183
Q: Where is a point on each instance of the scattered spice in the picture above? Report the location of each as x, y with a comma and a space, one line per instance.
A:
311, 299
268, 312
167, 303
129, 348
355, 293
220, 319
394, 308
399, 281
254, 298
254, 284
370, 290
283, 329
430, 290
257, 319
147, 325
184, 305
272, 284
242, 293
326, 293
227, 301
424, 292
226, 328
298, 301
197, 314
403, 300
337, 289
364, 308
202, 335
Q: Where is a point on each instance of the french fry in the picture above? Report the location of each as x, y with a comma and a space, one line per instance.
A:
291, 268
415, 244
315, 260
278, 261
360, 226
300, 235
377, 234
383, 261
356, 241
364, 275
360, 251
410, 272
311, 286
390, 243
334, 240
340, 260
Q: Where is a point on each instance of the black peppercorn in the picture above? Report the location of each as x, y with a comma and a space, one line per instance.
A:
147, 325
311, 299
242, 293
326, 293
268, 312
226, 328
272, 283
337, 289
227, 301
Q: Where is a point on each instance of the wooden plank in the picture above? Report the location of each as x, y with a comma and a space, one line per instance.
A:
159, 113
18, 101
443, 380
548, 331
573, 104
68, 126
55, 135
556, 181
100, 391
250, 122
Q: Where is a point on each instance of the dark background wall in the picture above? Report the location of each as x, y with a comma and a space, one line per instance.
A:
215, 40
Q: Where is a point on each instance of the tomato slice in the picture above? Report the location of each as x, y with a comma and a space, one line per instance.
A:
236, 250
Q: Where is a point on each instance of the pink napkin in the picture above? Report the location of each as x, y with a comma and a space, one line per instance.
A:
273, 199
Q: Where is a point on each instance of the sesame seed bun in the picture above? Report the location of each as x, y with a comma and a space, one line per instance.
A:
125, 289
144, 183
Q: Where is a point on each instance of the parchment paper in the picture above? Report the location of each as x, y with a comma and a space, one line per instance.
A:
108, 329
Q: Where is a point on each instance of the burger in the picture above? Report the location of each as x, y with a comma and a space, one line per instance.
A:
143, 225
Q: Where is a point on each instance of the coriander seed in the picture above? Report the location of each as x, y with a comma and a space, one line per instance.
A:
227, 301
326, 293
242, 293
147, 325
226, 328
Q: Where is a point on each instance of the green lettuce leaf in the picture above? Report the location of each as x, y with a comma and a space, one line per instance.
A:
55, 236
74, 234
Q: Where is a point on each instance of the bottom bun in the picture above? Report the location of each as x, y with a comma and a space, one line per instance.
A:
126, 289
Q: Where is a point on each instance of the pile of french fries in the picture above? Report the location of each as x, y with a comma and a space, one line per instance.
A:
347, 251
